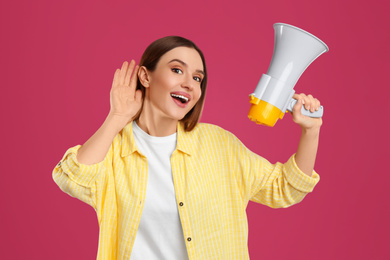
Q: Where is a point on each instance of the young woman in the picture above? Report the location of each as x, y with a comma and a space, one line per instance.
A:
167, 187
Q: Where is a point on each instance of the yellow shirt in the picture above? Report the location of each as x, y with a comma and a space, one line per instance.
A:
214, 175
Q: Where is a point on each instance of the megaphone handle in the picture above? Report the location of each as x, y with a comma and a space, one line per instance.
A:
305, 112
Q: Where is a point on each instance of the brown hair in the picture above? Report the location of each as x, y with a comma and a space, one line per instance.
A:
150, 58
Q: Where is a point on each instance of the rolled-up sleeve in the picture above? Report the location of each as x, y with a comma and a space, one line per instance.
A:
278, 185
298, 179
76, 179
282, 185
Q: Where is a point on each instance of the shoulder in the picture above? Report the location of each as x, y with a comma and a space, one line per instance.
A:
206, 127
211, 130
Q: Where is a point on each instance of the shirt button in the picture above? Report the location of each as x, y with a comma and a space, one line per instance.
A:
181, 204
188, 239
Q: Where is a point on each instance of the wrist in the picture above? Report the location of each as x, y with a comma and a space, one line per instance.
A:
312, 131
312, 125
117, 122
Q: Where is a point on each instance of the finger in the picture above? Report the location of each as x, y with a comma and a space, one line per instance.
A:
133, 80
298, 96
317, 104
311, 103
129, 71
301, 96
297, 108
122, 74
307, 102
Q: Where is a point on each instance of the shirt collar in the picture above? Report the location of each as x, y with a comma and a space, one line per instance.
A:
185, 140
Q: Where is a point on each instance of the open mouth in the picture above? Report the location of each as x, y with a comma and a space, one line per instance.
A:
180, 98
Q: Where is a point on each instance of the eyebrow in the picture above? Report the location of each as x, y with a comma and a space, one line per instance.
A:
185, 64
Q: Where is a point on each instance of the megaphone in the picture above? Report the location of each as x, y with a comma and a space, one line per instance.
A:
294, 50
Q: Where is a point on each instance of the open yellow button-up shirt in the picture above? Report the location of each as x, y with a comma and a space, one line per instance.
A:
214, 175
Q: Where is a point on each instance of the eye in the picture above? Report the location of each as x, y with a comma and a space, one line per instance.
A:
178, 71
198, 79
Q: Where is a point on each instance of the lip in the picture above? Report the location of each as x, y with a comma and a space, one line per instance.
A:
185, 94
182, 94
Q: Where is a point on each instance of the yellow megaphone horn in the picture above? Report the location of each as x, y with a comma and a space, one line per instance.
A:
294, 50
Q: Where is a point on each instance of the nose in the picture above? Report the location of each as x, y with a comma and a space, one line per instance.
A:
188, 82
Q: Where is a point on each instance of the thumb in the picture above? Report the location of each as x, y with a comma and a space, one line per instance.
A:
297, 107
138, 96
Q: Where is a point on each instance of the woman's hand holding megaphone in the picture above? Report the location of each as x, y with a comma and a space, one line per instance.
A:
308, 144
309, 103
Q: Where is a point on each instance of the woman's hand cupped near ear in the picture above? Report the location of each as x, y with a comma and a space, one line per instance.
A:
125, 100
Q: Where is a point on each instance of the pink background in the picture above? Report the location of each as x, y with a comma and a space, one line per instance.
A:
58, 59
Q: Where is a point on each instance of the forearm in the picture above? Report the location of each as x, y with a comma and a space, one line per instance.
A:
307, 150
95, 149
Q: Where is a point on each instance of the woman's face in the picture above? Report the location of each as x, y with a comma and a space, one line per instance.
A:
175, 85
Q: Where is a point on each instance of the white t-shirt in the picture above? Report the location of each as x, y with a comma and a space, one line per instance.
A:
160, 234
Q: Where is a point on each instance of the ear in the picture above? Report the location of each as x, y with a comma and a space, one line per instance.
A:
143, 76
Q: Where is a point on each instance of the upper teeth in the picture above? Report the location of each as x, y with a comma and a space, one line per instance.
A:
180, 96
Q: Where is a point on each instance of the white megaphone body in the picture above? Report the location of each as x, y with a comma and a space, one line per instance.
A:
294, 50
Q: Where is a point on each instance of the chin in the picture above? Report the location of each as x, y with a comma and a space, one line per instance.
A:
179, 117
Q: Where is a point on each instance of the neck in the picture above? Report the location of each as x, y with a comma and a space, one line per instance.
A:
154, 124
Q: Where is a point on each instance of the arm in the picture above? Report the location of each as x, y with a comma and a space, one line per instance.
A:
125, 103
78, 172
278, 185
281, 185
81, 166
307, 149
95, 149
